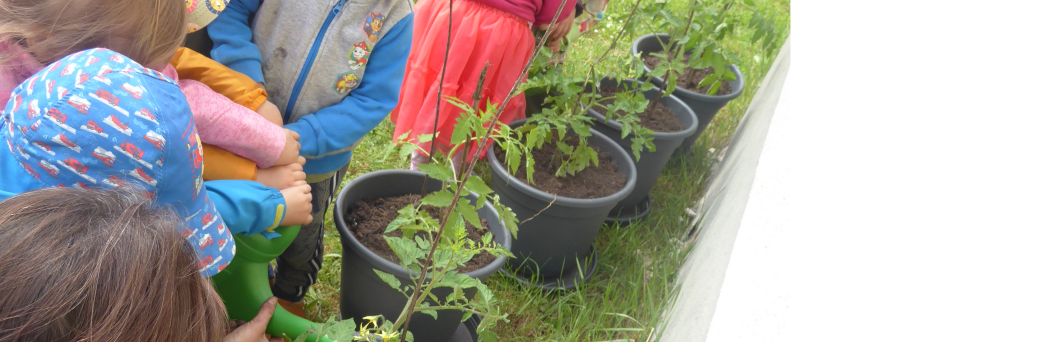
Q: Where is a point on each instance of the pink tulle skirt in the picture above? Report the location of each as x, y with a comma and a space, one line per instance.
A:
480, 34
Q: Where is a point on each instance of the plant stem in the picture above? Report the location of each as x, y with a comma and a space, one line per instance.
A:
615, 42
461, 185
670, 58
477, 95
439, 90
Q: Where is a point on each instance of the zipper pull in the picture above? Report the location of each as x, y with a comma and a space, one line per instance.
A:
337, 7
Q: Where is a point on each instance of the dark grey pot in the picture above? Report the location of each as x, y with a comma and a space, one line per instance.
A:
363, 293
651, 164
705, 106
558, 240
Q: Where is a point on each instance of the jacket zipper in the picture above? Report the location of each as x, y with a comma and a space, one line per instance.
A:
311, 59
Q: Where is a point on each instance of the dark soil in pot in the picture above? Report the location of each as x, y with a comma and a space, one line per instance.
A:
369, 218
704, 106
659, 119
363, 293
636, 205
559, 236
593, 182
689, 78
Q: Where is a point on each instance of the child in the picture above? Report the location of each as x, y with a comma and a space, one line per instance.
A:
223, 104
334, 69
483, 31
69, 252
77, 128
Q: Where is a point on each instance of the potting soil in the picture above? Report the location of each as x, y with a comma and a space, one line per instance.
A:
593, 182
688, 80
659, 119
369, 218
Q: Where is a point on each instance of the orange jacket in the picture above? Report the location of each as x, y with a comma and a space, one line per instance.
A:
241, 89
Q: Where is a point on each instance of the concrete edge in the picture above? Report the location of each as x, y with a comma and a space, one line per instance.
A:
700, 280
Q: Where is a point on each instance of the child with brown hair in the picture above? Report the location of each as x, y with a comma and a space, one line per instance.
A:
98, 118
73, 263
73, 260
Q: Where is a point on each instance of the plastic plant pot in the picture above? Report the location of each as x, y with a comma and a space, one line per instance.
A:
705, 106
650, 166
244, 287
559, 239
363, 293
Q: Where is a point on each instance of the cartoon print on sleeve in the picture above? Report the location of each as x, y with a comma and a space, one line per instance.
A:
345, 82
216, 6
358, 56
372, 26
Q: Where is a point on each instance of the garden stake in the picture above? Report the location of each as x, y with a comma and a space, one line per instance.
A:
477, 95
439, 91
457, 194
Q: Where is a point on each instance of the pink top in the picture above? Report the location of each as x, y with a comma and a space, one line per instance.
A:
230, 126
537, 12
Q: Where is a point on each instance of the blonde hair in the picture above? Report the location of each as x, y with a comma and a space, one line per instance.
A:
52, 29
100, 265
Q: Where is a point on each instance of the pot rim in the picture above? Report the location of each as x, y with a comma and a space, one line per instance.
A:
498, 169
349, 240
679, 90
662, 135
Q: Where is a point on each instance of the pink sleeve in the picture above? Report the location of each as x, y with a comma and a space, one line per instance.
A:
232, 127
549, 7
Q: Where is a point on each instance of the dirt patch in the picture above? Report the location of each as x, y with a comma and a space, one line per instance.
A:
659, 118
367, 220
592, 182
688, 79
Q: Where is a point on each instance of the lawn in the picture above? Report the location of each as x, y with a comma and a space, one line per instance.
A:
638, 263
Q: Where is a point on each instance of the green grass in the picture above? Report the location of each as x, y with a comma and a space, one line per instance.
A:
638, 263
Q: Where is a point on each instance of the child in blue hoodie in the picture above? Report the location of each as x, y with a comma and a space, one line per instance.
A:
334, 69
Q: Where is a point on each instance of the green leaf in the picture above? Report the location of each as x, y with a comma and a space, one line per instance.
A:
509, 219
487, 336
749, 3
400, 221
707, 80
512, 159
469, 213
440, 199
436, 171
714, 88
462, 127
388, 279
406, 249
477, 185
430, 313
530, 168
455, 229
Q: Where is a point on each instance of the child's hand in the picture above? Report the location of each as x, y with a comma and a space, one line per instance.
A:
270, 112
282, 176
560, 30
292, 150
298, 204
254, 330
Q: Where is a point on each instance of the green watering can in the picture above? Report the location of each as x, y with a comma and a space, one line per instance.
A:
244, 287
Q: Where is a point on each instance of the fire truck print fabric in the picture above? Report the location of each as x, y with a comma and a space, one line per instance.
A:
94, 124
